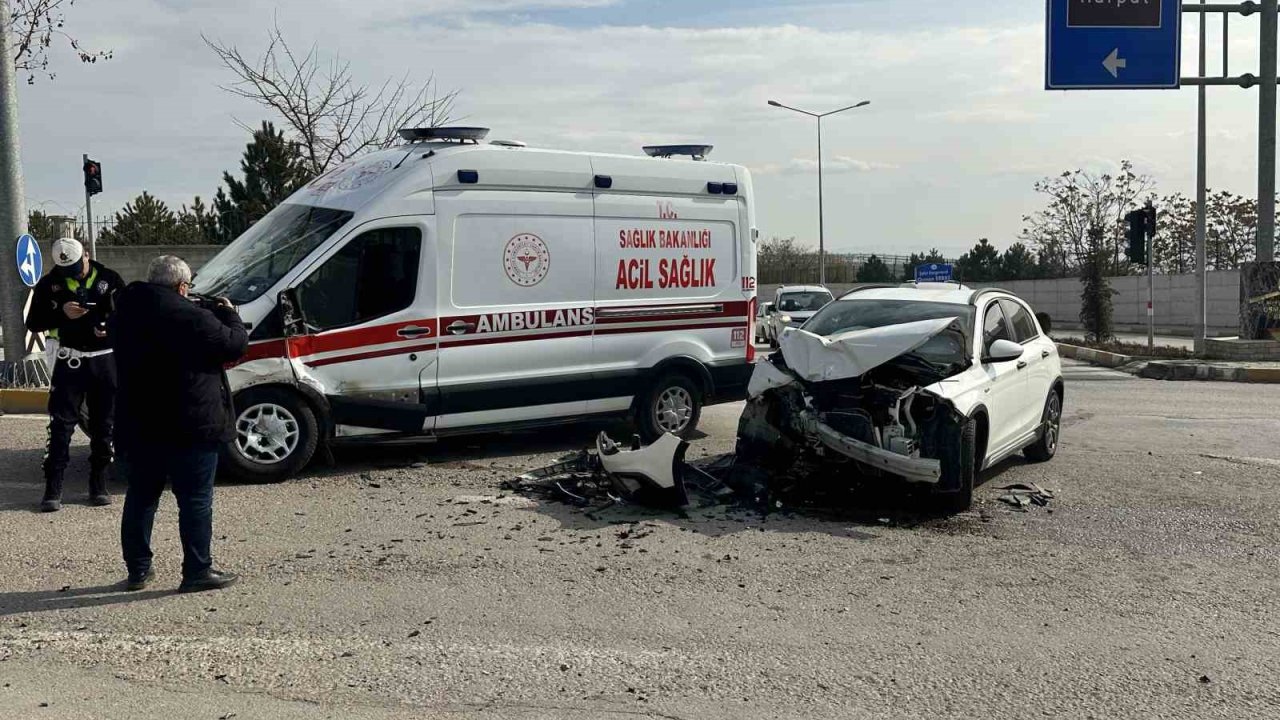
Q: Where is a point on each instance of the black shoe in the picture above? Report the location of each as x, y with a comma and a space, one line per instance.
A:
98, 494
210, 580
139, 582
52, 501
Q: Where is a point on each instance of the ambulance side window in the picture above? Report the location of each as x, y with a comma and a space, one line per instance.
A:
374, 275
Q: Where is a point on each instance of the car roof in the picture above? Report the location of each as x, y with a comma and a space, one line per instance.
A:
924, 292
803, 288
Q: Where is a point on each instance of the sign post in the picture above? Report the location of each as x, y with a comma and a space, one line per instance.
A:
1113, 44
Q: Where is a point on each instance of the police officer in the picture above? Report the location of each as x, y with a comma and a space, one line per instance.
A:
76, 299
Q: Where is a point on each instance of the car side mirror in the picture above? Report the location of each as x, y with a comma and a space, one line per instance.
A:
291, 313
1003, 351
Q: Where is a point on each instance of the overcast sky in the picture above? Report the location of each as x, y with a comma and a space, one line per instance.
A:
959, 130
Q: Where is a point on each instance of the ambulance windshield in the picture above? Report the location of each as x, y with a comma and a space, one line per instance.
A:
257, 260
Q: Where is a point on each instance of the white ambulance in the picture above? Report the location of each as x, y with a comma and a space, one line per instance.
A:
452, 285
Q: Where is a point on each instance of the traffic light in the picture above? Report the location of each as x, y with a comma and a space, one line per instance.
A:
92, 176
1138, 230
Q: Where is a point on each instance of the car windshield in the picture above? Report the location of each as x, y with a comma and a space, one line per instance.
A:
803, 301
945, 349
252, 264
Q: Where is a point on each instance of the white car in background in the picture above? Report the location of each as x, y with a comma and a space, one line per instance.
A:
762, 322
792, 306
932, 383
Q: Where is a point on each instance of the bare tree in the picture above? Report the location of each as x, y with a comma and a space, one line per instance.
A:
330, 114
1081, 202
36, 25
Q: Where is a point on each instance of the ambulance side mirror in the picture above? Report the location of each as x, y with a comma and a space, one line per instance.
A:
291, 313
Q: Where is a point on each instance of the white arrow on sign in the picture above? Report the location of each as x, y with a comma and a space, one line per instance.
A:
28, 266
1114, 63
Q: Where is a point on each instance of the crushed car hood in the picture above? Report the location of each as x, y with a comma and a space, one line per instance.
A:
847, 355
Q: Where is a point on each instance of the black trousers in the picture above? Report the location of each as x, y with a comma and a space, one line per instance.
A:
93, 383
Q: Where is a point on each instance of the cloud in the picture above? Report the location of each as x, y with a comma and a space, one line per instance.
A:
959, 121
830, 166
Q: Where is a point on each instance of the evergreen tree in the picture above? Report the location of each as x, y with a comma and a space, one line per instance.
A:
272, 169
145, 221
198, 224
933, 257
1018, 263
1095, 300
874, 270
981, 264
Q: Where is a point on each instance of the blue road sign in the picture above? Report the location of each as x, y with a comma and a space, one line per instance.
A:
30, 262
934, 272
1113, 44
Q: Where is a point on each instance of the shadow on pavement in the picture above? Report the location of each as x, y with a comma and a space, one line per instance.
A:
14, 603
560, 439
851, 512
22, 486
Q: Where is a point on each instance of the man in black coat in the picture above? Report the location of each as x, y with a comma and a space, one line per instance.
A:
75, 301
173, 413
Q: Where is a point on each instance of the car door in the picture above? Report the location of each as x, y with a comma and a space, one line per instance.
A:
370, 338
1006, 383
1038, 356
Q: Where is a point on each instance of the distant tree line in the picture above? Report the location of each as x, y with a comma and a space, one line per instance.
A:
1080, 228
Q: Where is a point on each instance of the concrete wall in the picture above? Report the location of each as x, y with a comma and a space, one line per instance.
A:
1174, 301
131, 261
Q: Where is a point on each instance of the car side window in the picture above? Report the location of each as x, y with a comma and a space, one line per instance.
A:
994, 325
1024, 327
374, 275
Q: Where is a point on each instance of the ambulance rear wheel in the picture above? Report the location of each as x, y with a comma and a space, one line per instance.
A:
673, 405
276, 436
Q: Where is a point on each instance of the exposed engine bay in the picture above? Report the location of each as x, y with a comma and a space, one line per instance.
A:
884, 414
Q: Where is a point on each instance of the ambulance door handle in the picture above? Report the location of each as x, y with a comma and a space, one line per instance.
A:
413, 331
461, 328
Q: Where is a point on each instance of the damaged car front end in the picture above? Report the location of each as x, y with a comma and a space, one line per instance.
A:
862, 391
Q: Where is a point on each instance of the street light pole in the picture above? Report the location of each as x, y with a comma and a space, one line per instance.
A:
822, 234
822, 240
13, 215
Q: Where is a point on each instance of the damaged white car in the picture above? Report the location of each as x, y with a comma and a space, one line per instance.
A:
932, 383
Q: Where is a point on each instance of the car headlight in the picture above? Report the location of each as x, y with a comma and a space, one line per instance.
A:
786, 319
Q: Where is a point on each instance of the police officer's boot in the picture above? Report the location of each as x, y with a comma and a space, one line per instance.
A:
52, 501
98, 494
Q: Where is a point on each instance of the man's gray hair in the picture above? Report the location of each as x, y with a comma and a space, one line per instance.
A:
169, 271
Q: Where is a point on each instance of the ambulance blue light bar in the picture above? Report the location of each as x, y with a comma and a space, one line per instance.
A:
455, 134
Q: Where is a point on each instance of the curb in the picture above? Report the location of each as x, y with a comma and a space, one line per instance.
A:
24, 402
1170, 369
1097, 357
1167, 370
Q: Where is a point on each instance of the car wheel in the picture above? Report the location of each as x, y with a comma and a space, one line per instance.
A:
960, 499
672, 405
276, 436
1046, 446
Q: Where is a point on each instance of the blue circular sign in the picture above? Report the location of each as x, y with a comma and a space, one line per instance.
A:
30, 261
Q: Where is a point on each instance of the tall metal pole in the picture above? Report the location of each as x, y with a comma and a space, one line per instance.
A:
1202, 161
822, 238
13, 215
1151, 283
1267, 136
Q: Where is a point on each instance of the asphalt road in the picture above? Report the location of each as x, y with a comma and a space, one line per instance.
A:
384, 589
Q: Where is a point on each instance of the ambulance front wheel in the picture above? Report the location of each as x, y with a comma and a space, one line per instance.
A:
673, 405
276, 435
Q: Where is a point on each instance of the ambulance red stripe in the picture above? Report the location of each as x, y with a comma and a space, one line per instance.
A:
387, 334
